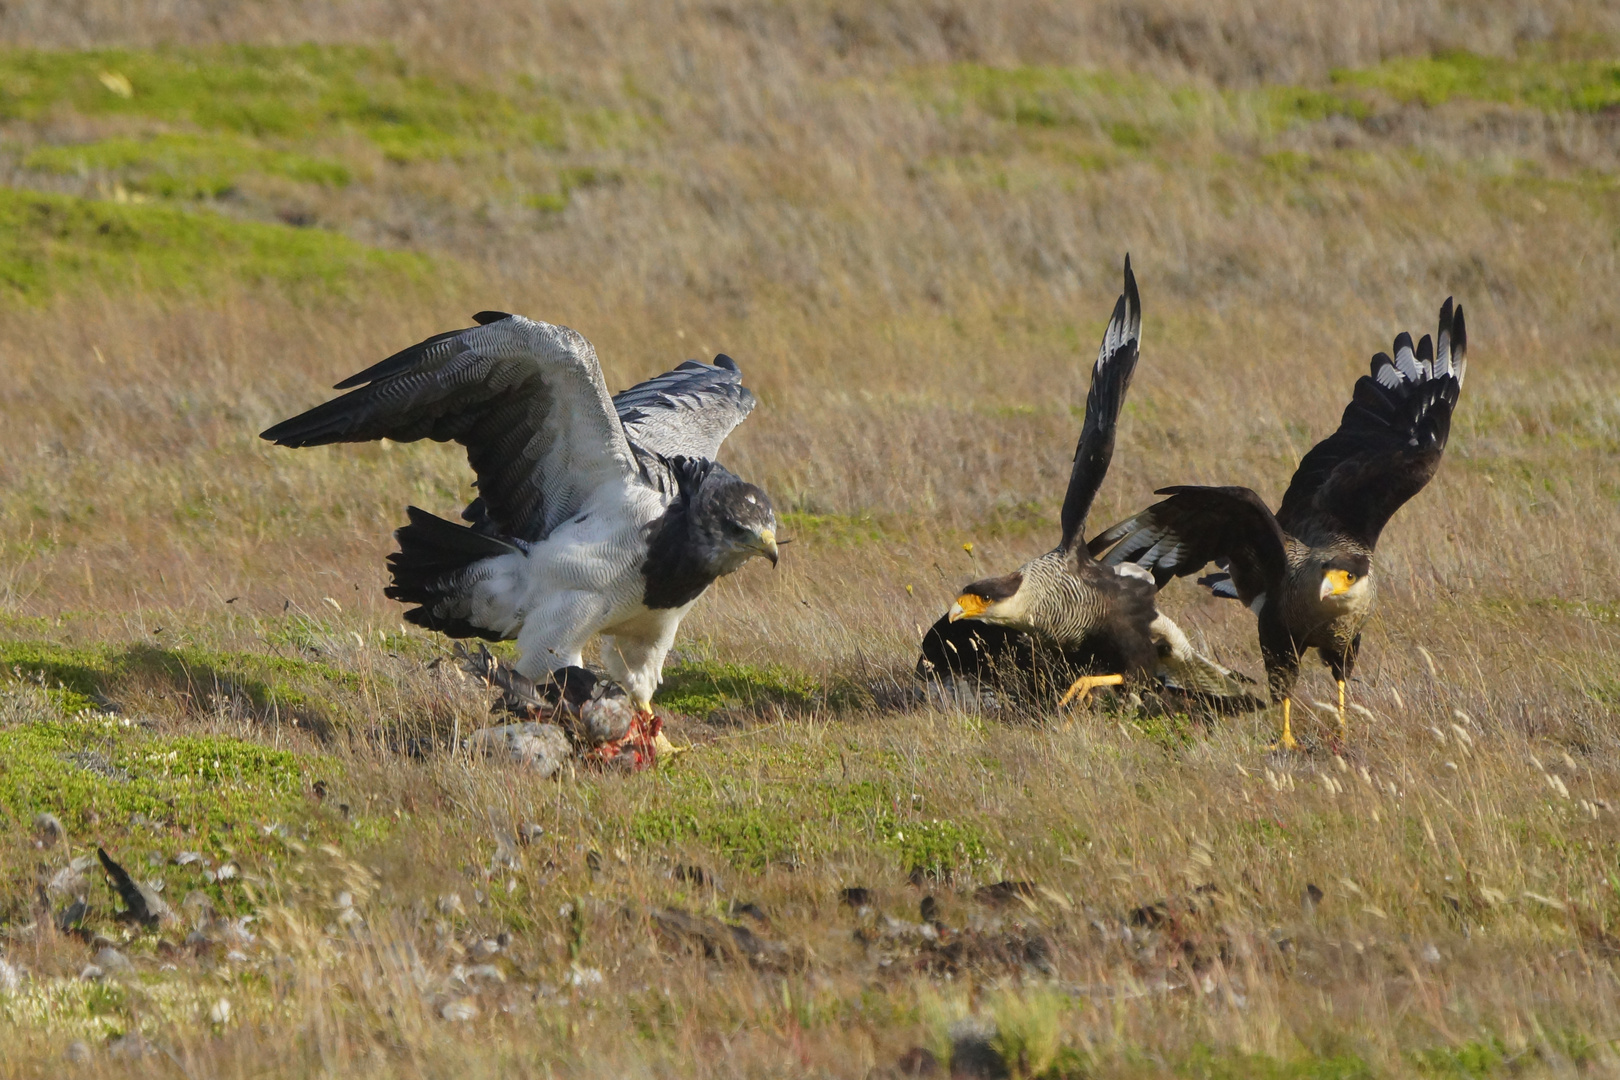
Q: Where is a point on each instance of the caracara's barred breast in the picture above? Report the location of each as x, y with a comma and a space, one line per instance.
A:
1063, 605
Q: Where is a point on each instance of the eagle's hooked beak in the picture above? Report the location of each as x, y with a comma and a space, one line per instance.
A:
767, 544
967, 606
1336, 582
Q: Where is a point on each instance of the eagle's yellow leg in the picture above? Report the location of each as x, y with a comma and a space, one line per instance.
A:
1084, 685
1286, 740
1344, 721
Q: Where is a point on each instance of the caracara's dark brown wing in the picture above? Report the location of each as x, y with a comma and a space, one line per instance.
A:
1196, 526
1388, 444
1110, 379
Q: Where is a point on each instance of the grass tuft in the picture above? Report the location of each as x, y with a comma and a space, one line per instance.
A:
55, 244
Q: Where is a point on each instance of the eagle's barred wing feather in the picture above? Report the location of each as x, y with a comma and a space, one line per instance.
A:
1110, 379
526, 399
1197, 526
1388, 444
687, 412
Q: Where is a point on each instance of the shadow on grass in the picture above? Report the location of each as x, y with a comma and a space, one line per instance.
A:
269, 689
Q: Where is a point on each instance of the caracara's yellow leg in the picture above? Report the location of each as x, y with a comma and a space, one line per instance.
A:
1344, 721
1084, 685
1286, 742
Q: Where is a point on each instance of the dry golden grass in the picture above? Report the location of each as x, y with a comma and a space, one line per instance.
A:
846, 199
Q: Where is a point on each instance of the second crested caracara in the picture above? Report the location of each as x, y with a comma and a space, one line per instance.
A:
1306, 571
1064, 610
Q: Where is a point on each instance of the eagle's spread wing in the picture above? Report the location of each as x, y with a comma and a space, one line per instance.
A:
687, 412
1110, 379
1196, 526
525, 398
1388, 444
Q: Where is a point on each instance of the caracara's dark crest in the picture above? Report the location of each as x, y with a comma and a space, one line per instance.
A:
996, 588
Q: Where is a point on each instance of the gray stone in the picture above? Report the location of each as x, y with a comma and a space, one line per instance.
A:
541, 747
48, 830
113, 962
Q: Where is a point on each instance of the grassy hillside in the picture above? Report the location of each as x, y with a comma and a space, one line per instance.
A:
906, 222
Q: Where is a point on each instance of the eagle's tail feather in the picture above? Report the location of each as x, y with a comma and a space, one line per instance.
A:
440, 566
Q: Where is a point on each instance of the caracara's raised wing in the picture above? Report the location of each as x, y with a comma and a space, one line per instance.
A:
525, 398
1197, 526
687, 412
1110, 379
1388, 444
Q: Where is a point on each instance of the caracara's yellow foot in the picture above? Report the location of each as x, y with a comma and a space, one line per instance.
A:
666, 748
1084, 685
1285, 741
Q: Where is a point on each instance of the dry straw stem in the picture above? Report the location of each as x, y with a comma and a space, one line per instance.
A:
906, 223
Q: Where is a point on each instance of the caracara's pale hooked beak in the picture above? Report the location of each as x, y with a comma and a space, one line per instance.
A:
1336, 582
766, 544
967, 606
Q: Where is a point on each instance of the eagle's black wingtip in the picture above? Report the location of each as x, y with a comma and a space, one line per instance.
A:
484, 318
722, 360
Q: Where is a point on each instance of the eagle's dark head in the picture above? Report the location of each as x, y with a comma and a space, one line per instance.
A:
732, 521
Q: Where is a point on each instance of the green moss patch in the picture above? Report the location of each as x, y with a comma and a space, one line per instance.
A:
1578, 85
1129, 113
1212, 1064
291, 94
184, 166
702, 687
53, 243
275, 687
813, 810
95, 771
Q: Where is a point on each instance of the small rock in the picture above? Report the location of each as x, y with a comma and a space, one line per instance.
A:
48, 831
78, 1051
1430, 954
449, 903
226, 872
1312, 898
1004, 892
486, 972
918, 1062
186, 858
484, 948
530, 833
220, 1011
131, 1047
198, 906
973, 1049
70, 880
541, 747
459, 1009
10, 978
91, 973
581, 977
855, 896
113, 962
72, 916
